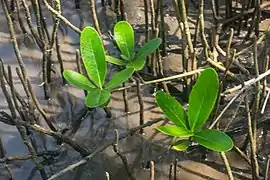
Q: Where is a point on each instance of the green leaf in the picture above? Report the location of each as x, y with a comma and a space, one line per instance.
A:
202, 98
119, 78
136, 64
78, 80
116, 61
181, 145
93, 55
214, 140
173, 130
172, 109
124, 57
124, 37
148, 48
97, 97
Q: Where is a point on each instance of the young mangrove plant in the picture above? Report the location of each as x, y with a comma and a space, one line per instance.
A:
188, 126
94, 60
124, 37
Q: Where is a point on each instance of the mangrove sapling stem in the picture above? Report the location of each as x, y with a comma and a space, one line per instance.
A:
67, 22
203, 37
79, 66
170, 172
182, 6
2, 150
125, 99
45, 72
152, 17
179, 76
157, 11
59, 58
43, 22
265, 68
227, 165
53, 40
101, 148
107, 176
20, 18
122, 157
146, 20
152, 171
94, 16
35, 5
228, 48
77, 4
39, 42
247, 85
254, 162
122, 10
175, 169
257, 95
162, 29
140, 99
267, 168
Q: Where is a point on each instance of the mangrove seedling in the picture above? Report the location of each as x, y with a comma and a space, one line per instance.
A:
188, 126
124, 37
94, 60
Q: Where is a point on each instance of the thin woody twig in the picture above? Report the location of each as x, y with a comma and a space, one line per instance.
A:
254, 162
227, 165
67, 22
56, 135
179, 76
70, 168
246, 86
94, 16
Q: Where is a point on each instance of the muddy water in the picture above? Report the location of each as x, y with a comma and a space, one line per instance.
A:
66, 104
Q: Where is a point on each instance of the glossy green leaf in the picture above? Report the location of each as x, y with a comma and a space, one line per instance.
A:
172, 109
181, 145
124, 57
202, 98
148, 48
214, 140
173, 130
137, 64
93, 55
119, 78
124, 37
97, 97
78, 80
116, 61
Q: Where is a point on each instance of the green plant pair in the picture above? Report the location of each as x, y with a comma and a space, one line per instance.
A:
188, 126
94, 60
